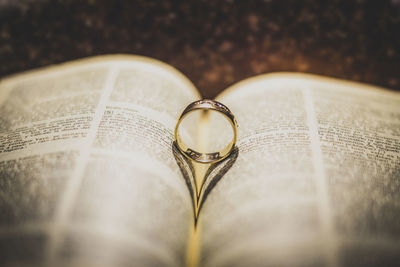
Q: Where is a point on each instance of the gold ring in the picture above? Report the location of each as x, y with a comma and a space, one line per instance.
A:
210, 105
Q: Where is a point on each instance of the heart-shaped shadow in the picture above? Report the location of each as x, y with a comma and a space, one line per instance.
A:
212, 175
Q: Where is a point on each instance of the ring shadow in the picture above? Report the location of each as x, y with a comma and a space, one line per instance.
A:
213, 175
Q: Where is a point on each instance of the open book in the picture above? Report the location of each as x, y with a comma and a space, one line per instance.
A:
90, 176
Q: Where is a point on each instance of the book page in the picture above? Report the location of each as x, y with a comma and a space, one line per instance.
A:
87, 173
316, 180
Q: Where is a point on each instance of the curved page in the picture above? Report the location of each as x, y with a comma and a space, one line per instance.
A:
316, 181
87, 173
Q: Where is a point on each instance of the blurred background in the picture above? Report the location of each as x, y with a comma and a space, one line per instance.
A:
214, 43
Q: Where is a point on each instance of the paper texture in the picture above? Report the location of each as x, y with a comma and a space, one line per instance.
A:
89, 176
86, 167
316, 181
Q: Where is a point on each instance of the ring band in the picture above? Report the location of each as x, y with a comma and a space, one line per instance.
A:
206, 104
